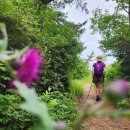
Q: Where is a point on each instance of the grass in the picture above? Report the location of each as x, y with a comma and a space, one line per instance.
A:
85, 80
76, 87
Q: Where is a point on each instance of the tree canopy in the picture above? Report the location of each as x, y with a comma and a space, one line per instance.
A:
37, 25
115, 31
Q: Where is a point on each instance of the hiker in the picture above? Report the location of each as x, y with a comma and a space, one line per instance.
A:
98, 71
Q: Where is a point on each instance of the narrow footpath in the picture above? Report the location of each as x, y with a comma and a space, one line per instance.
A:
102, 123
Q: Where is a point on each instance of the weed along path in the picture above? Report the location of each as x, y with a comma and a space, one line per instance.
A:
100, 123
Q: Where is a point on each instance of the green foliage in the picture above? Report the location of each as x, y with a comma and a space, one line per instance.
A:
123, 103
76, 86
80, 70
31, 24
115, 31
76, 90
11, 116
113, 72
33, 105
81, 4
36, 25
5, 77
61, 107
84, 80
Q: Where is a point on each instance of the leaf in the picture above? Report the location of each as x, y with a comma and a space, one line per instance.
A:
33, 105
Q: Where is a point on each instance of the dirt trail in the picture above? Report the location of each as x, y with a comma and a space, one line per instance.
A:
103, 123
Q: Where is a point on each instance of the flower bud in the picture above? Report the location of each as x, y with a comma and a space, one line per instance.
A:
15, 64
60, 125
117, 89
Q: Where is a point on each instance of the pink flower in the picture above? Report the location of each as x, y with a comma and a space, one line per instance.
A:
30, 64
117, 89
60, 125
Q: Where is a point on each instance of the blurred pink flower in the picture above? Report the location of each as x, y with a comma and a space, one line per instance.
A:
60, 125
30, 64
118, 88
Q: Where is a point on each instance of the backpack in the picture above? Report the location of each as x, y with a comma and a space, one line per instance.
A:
98, 69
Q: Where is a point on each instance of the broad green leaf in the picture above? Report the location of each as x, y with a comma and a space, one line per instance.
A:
33, 105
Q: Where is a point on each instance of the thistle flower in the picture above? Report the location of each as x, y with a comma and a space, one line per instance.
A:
117, 89
30, 64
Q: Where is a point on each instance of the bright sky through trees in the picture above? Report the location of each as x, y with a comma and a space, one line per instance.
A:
91, 41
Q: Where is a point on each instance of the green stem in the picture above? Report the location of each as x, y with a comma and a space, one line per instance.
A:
82, 117
12, 72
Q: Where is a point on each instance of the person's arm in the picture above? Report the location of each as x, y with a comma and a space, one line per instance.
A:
93, 70
104, 70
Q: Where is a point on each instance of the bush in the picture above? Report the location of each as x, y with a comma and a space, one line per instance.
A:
112, 73
60, 106
11, 116
5, 77
123, 103
76, 90
57, 38
80, 70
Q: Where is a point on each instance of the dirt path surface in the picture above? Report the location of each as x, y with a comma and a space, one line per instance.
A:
103, 123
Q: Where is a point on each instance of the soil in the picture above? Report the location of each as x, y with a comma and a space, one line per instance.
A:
102, 123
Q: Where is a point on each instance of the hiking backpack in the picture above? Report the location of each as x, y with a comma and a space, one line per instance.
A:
98, 69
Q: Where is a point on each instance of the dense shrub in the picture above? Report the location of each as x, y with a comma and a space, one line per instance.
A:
113, 72
5, 77
34, 25
76, 90
123, 103
80, 70
60, 106
11, 116
41, 26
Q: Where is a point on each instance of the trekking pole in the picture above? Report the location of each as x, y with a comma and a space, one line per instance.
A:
82, 117
89, 90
